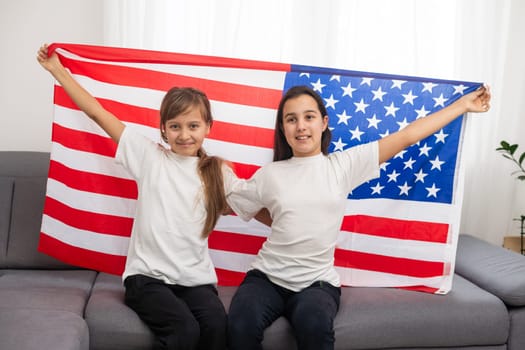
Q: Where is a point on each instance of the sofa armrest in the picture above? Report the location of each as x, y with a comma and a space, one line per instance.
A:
495, 269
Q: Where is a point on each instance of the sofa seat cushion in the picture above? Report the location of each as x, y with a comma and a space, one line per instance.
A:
112, 325
390, 318
29, 329
66, 290
517, 329
372, 318
368, 318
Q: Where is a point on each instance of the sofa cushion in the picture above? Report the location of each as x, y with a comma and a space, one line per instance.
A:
26, 220
492, 268
517, 329
113, 325
17, 165
376, 318
369, 318
23, 178
66, 290
24, 163
29, 329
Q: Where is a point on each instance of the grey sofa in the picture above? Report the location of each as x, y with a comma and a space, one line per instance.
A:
46, 304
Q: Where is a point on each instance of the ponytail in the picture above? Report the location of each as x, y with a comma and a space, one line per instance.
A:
210, 172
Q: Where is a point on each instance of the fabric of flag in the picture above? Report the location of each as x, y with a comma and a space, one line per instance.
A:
399, 230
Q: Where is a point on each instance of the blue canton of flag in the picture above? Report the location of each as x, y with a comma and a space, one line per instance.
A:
363, 108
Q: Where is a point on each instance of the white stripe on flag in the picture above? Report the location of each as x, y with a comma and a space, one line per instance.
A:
234, 224
269, 79
86, 161
232, 261
98, 242
151, 99
402, 209
78, 121
89, 201
148, 98
235, 152
400, 248
243, 115
367, 278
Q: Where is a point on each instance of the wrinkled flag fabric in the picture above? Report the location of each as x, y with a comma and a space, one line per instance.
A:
399, 230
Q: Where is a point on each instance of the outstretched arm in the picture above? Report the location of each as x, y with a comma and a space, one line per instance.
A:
83, 99
476, 101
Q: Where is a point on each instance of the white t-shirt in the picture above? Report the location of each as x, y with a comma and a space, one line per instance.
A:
166, 240
306, 197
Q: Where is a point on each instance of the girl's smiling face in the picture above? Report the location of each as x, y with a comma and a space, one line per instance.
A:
186, 132
303, 125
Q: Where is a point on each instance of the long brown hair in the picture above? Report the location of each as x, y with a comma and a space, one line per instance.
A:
281, 148
177, 101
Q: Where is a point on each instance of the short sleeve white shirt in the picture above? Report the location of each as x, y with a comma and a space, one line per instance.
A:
306, 197
166, 240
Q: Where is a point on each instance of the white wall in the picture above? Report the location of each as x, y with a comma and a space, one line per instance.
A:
26, 90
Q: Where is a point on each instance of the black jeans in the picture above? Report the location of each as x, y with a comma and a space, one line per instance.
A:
180, 317
258, 303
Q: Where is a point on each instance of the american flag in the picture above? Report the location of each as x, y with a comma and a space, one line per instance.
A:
399, 230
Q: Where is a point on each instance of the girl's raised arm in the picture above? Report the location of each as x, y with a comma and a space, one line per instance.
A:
476, 101
83, 99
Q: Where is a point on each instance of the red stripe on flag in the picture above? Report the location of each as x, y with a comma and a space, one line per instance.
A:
244, 171
125, 112
117, 54
246, 135
425, 289
91, 182
235, 242
388, 264
83, 141
113, 264
395, 228
229, 278
89, 221
144, 78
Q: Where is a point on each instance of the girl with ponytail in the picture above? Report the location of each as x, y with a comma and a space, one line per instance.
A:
169, 276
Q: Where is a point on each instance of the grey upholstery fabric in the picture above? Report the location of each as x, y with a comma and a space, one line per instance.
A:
6, 197
113, 325
375, 318
517, 328
23, 185
24, 163
29, 329
493, 269
46, 289
369, 318
26, 218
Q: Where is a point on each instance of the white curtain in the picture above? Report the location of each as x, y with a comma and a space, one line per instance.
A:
471, 40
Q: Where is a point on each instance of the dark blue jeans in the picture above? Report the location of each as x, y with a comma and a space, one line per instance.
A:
258, 303
180, 317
